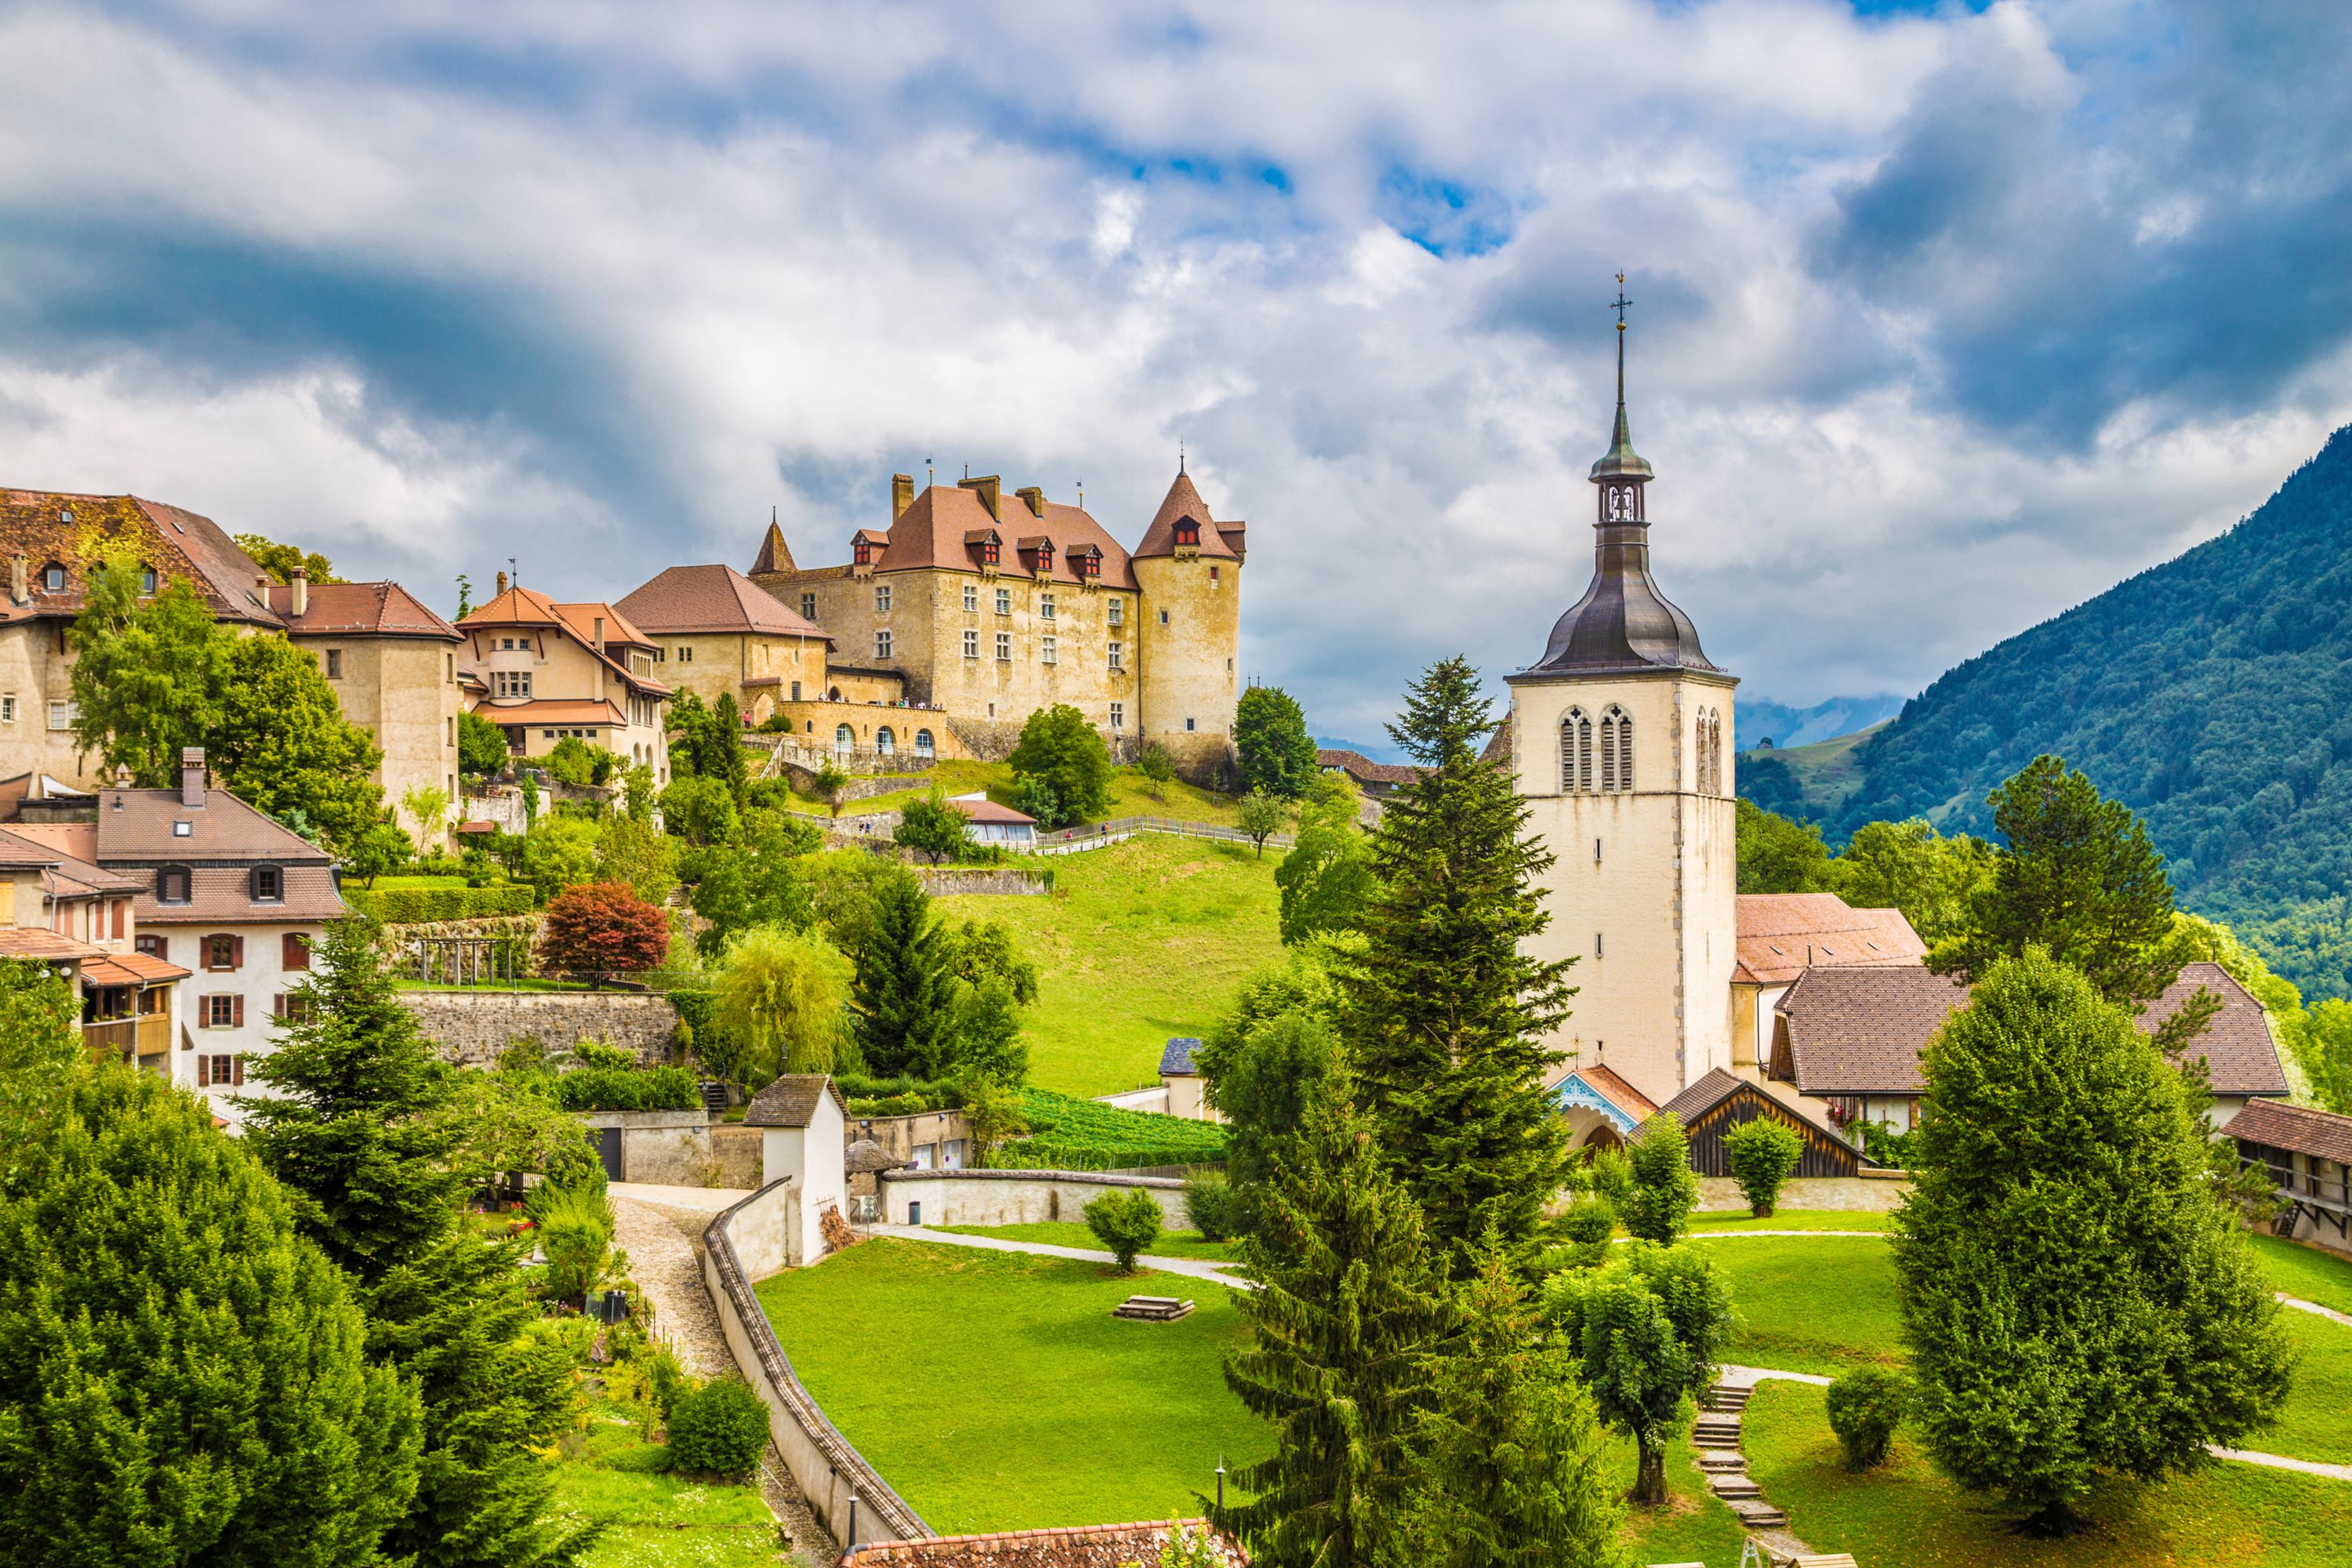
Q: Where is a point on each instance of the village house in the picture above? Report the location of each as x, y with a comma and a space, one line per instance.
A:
2308, 1156
61, 909
718, 634
987, 823
384, 654
544, 672
977, 609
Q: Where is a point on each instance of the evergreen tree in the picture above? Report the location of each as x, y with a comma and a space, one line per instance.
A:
2077, 878
1505, 1469
1445, 1012
351, 1130
186, 1378
2076, 1300
902, 994
1347, 1310
1277, 756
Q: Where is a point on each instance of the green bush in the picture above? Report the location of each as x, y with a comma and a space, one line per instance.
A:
1657, 1207
415, 906
575, 1231
1762, 1154
1865, 1406
1215, 1206
718, 1429
1126, 1223
628, 1088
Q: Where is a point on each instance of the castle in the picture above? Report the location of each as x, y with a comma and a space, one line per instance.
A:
977, 608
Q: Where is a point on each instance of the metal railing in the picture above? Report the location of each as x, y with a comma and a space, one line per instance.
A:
1167, 824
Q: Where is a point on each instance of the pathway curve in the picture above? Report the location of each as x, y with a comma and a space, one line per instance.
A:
1197, 1267
2314, 1308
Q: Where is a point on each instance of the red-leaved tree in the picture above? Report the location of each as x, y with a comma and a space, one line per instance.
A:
598, 929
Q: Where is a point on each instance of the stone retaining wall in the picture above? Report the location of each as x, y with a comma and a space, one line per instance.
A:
829, 1470
665, 1148
738, 1150
1873, 1191
1016, 1198
951, 881
471, 1027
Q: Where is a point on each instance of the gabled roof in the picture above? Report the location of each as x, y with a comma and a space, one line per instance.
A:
943, 525
1182, 500
44, 526
792, 1101
2275, 1125
1780, 934
1361, 768
73, 849
359, 609
1084, 1546
135, 825
979, 808
520, 606
2238, 1046
1719, 1086
687, 599
1176, 1058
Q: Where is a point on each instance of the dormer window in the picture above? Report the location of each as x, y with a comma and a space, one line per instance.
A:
1188, 531
861, 551
269, 884
1089, 565
53, 578
172, 885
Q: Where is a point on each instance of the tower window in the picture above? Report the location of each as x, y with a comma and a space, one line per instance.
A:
1115, 613
1575, 756
1616, 750
1216, 578
1188, 532
1116, 652
1596, 945
1190, 726
1046, 605
1119, 715
972, 598
881, 644
1163, 617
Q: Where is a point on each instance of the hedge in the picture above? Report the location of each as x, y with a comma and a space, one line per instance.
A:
627, 1089
1069, 1134
416, 906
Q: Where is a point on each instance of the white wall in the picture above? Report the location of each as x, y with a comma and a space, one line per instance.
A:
1016, 1197
259, 980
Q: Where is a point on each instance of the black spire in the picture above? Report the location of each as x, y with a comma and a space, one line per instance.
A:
1622, 622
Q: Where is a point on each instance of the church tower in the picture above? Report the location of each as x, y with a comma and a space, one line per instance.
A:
1619, 735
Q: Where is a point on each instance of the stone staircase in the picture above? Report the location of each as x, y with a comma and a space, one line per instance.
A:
1717, 1437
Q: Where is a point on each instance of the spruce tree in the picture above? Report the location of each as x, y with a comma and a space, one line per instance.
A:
902, 994
2077, 1300
1347, 1310
1505, 1467
187, 1379
1445, 1012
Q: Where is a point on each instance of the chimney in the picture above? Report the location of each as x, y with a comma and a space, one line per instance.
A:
19, 585
301, 592
1034, 498
502, 582
191, 777
262, 586
600, 634
902, 494
990, 489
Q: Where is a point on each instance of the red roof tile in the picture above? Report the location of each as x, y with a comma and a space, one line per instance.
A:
551, 711
520, 606
940, 529
712, 599
130, 968
988, 811
1781, 933
40, 943
179, 544
1362, 769
359, 609
1184, 501
2275, 1125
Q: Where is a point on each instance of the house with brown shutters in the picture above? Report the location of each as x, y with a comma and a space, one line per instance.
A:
59, 907
1848, 1041
549, 671
227, 896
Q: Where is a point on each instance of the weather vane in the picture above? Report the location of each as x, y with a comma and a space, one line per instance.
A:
1619, 303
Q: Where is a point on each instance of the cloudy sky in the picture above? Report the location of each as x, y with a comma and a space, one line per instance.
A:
1945, 317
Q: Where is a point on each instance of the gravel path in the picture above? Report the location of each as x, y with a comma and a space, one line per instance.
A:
667, 1263
2300, 1305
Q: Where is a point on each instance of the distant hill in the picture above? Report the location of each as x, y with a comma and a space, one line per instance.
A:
2212, 693
1809, 783
1758, 720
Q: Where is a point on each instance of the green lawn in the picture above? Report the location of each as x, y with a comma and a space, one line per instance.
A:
652, 1519
1137, 942
1792, 1219
1810, 1305
1070, 1233
1693, 1527
2306, 1272
994, 1390
2318, 1421
1906, 1514
1130, 795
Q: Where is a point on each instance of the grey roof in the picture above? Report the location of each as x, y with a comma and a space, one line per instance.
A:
137, 825
792, 1101
865, 1155
1176, 1061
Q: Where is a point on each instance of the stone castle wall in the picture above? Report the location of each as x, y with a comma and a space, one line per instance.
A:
471, 1027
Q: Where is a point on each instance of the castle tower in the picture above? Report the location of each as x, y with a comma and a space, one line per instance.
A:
1619, 735
1188, 566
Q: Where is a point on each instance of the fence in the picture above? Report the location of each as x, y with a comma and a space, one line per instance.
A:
1118, 825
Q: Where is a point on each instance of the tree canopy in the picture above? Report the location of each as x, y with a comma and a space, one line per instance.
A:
282, 561
1060, 750
1271, 738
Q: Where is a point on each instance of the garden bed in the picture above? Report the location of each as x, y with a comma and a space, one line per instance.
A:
1069, 1134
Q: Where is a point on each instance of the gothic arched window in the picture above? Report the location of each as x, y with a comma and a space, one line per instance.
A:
1575, 753
1616, 750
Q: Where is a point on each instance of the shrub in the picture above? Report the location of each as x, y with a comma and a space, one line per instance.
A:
601, 928
628, 1088
1125, 1223
1585, 1229
575, 1231
1865, 1406
1762, 1153
1663, 1191
718, 1429
1215, 1206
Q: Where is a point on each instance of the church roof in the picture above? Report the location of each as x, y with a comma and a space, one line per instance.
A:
1781, 933
1183, 500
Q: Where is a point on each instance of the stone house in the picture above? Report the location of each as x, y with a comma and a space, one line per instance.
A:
716, 633
545, 672
802, 1118
58, 907
384, 652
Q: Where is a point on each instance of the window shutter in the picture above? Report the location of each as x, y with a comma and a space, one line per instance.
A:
236, 1069
237, 952
296, 951
236, 1012
203, 1072
278, 1005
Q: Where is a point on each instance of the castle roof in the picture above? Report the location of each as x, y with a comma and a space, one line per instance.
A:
683, 599
1183, 501
945, 528
774, 555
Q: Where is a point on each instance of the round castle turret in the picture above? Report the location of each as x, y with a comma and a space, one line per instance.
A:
1188, 566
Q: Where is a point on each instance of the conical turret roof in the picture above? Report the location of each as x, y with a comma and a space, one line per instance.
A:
774, 555
1183, 500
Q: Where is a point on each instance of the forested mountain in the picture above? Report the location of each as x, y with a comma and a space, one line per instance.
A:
1761, 722
2212, 693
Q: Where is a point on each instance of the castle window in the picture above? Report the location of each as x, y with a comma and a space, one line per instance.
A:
845, 739
1119, 715
1115, 613
882, 599
1190, 726
881, 644
885, 741
8, 709
1163, 617
861, 553
1048, 651
1004, 647
1046, 605
971, 645
684, 655
1215, 577
1118, 652
808, 606
972, 598
1616, 750
1188, 532
923, 744
1576, 753
1004, 601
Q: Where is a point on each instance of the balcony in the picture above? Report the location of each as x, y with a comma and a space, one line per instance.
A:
147, 1041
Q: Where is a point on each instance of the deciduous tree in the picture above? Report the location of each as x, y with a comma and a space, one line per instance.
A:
1762, 1153
1647, 1329
282, 745
932, 828
1661, 1190
1060, 747
1262, 816
481, 747
601, 929
782, 996
1158, 771
1777, 856
1327, 878
2076, 1298
1270, 735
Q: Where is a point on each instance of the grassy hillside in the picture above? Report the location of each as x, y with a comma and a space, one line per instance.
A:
1805, 782
2213, 694
1130, 795
1137, 942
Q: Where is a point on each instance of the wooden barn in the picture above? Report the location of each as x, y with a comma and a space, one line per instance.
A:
1718, 1102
